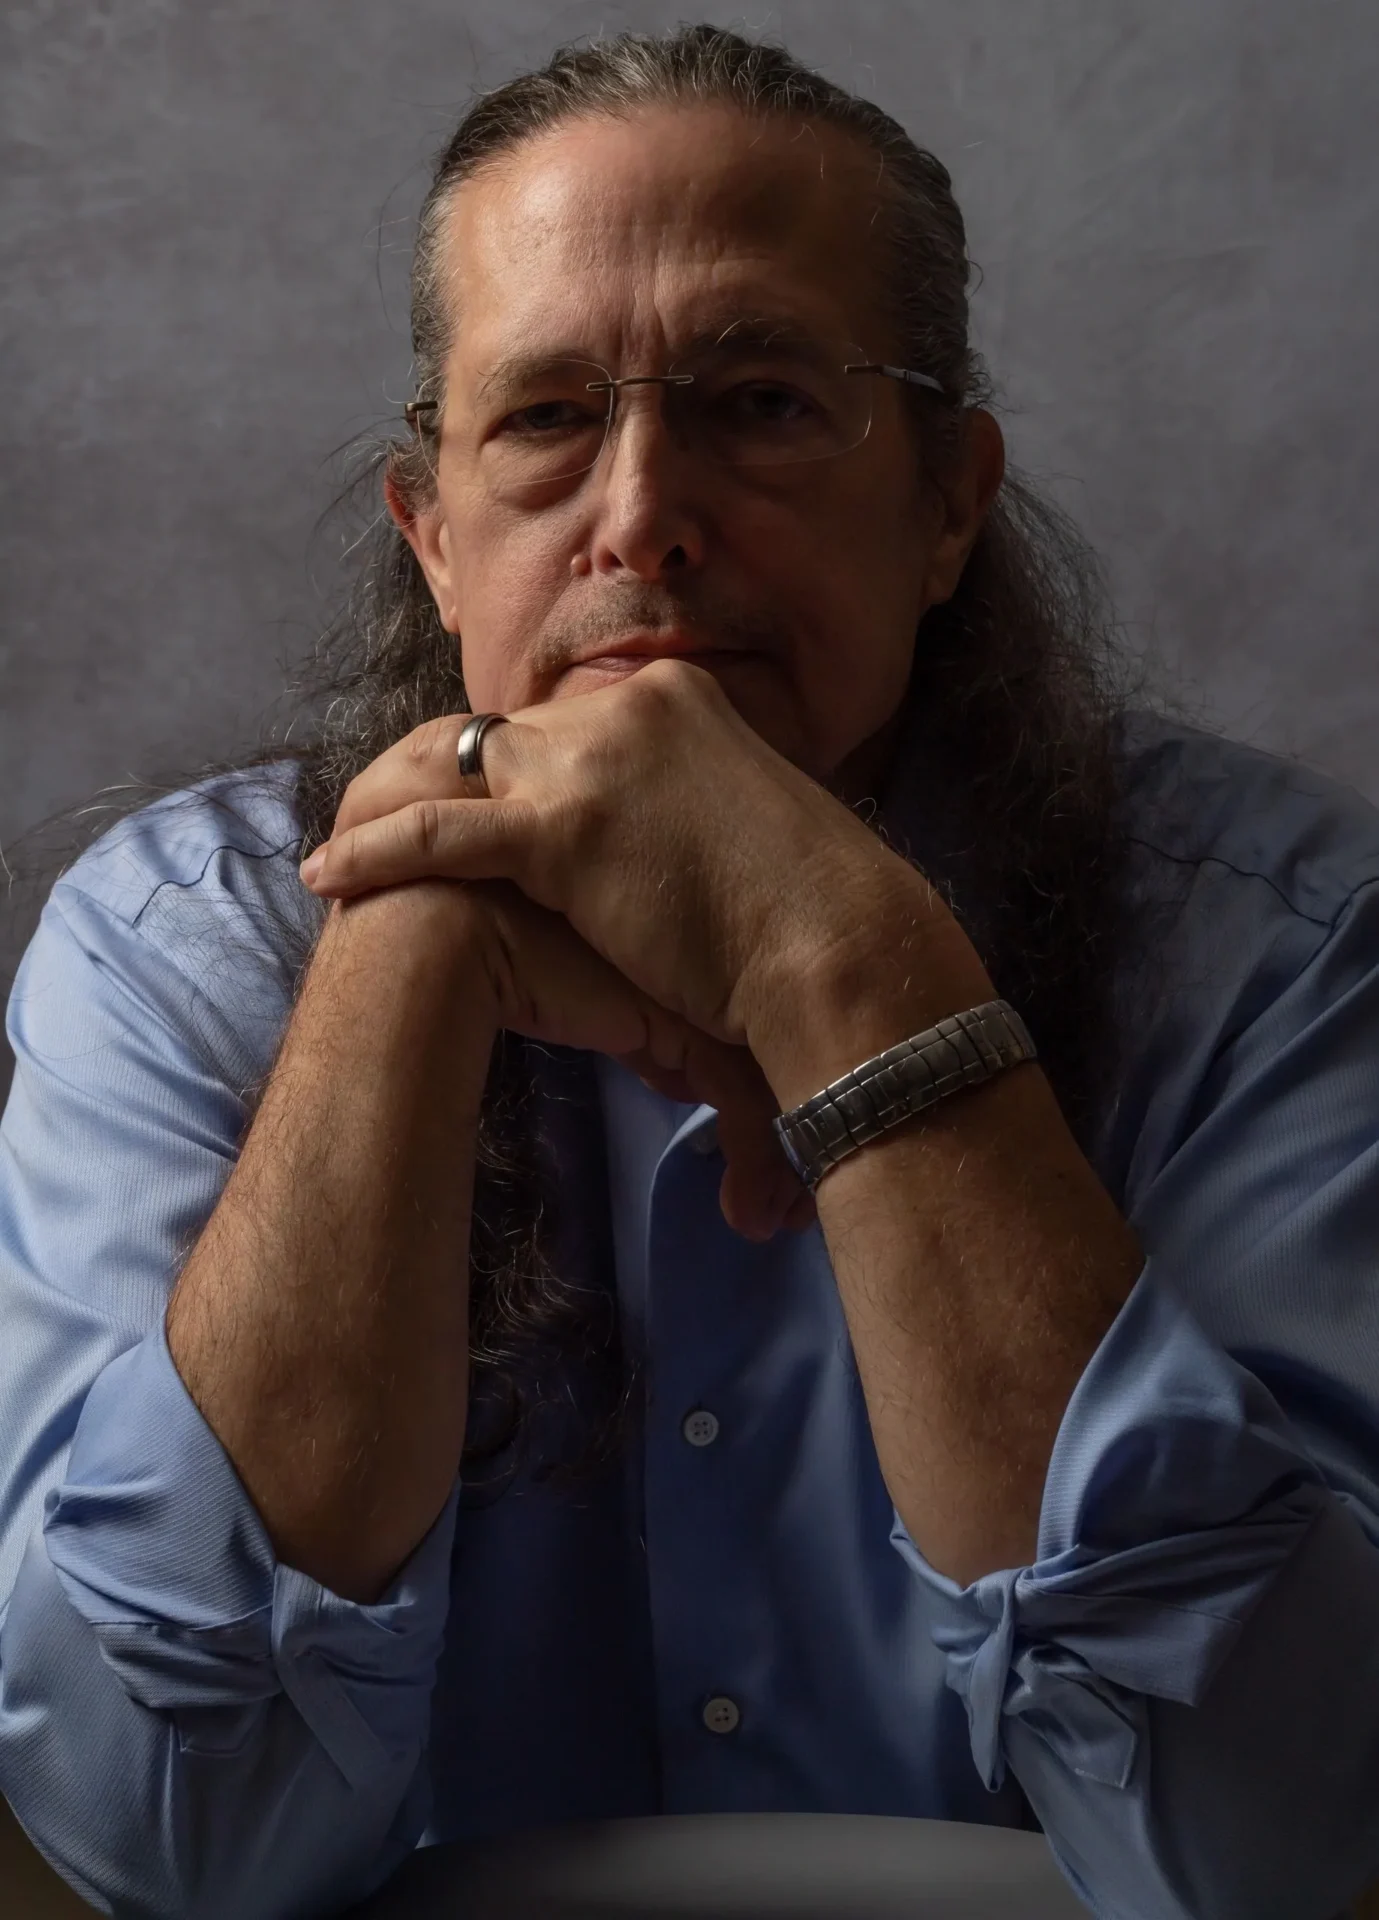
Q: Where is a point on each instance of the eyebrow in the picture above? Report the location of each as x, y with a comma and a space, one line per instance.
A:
754, 329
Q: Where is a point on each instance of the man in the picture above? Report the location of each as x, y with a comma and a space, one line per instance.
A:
1025, 1457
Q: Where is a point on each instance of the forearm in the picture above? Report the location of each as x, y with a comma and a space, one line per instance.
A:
320, 1323
979, 1269
978, 1258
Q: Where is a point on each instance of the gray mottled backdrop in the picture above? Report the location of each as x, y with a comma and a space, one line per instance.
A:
206, 218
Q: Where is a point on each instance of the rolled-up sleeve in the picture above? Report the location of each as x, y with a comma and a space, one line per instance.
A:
187, 1727
159, 1550
244, 1740
1186, 1680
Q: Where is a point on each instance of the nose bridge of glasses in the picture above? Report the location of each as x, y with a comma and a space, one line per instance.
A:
613, 389
661, 413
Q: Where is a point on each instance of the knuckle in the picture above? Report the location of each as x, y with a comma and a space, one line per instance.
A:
659, 680
349, 809
424, 826
425, 744
340, 857
652, 696
667, 687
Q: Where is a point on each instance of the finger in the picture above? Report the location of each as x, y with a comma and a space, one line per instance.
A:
574, 997
425, 766
759, 1185
425, 840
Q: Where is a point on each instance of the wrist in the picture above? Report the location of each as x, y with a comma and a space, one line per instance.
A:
847, 993
430, 937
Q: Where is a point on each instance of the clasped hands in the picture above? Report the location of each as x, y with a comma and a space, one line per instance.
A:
656, 881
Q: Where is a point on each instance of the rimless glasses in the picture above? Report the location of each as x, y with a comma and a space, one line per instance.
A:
770, 399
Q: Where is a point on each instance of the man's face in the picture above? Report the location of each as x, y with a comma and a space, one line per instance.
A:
620, 242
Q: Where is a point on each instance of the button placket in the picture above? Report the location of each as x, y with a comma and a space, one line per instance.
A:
697, 1269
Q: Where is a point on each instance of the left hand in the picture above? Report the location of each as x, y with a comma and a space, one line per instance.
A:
698, 861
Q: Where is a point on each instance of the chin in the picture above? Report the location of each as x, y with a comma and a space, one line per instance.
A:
775, 720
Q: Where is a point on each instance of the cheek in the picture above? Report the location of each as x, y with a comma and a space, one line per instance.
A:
507, 581
493, 664
850, 595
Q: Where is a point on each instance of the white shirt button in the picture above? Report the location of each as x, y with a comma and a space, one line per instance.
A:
706, 1140
721, 1714
700, 1427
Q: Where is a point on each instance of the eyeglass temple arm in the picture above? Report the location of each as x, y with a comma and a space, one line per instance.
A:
640, 380
898, 373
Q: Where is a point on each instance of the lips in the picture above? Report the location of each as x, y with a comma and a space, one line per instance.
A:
647, 646
640, 647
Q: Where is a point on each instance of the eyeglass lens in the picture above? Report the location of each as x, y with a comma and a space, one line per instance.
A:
770, 401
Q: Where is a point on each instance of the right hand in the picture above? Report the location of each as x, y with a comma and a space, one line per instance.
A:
549, 984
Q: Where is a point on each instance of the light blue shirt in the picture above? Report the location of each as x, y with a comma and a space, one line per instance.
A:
1185, 1683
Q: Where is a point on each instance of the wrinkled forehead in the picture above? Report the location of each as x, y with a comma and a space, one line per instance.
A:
624, 236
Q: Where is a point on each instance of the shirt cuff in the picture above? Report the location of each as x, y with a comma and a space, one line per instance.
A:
158, 1546
1174, 1495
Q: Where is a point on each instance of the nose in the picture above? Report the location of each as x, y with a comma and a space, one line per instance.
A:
649, 523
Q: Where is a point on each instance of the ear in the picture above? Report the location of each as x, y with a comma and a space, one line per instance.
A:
429, 538
966, 498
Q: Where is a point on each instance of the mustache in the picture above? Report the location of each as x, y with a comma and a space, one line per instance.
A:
575, 633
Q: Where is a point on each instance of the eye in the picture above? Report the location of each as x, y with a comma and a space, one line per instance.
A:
544, 418
766, 403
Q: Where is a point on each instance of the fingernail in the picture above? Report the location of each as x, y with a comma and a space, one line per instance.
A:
310, 868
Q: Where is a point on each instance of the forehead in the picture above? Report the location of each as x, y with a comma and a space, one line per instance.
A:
623, 233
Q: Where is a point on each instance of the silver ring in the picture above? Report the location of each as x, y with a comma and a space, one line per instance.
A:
469, 749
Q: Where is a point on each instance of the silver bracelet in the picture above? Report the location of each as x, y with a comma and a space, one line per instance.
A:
959, 1052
